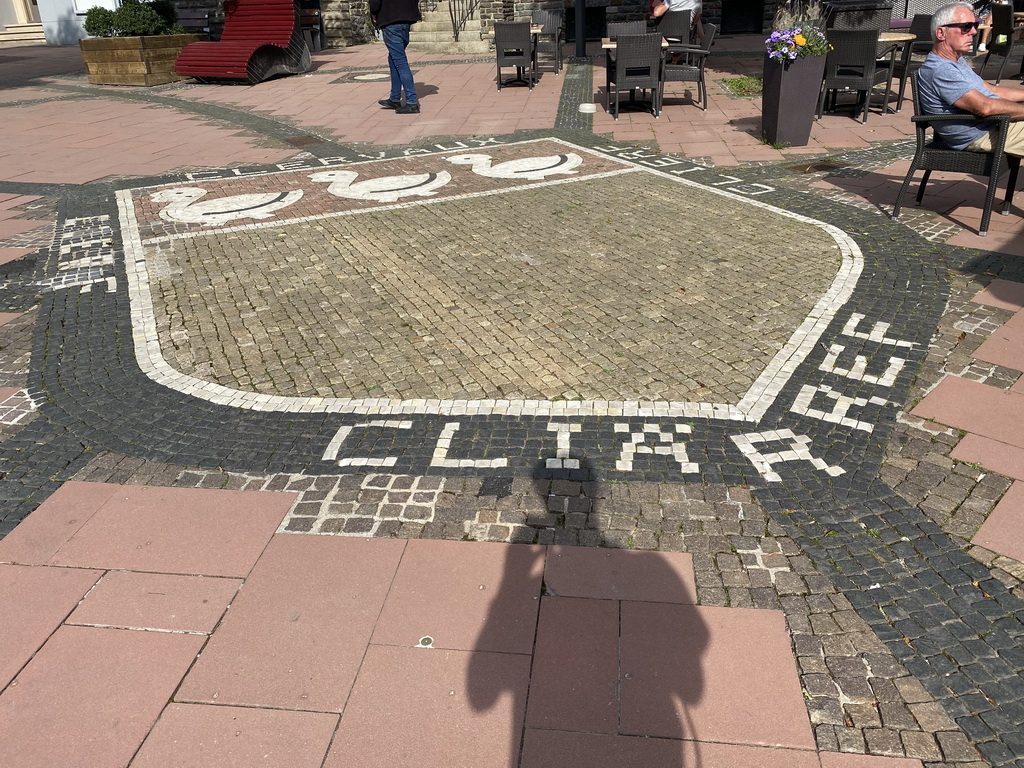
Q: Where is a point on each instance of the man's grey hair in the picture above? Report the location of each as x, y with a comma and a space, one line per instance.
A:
945, 14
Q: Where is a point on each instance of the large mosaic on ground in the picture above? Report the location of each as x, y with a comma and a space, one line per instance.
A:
552, 340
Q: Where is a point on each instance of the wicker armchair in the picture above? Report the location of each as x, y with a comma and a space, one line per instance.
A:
552, 37
638, 64
691, 69
513, 47
1002, 40
935, 156
851, 66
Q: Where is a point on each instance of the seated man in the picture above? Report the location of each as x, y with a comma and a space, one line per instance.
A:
948, 86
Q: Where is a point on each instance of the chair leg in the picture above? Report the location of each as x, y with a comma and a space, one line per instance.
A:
1002, 64
924, 183
990, 196
1011, 183
499, 77
903, 191
867, 104
821, 101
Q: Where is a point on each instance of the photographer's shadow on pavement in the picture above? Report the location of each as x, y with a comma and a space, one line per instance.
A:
618, 650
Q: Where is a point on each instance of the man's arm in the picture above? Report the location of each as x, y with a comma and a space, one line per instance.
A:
659, 10
981, 105
375, 6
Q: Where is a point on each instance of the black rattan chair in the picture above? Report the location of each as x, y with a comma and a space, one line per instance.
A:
616, 28
1002, 39
691, 69
907, 64
513, 47
638, 64
676, 26
935, 156
851, 66
552, 38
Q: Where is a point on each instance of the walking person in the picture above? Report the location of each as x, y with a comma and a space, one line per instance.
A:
394, 18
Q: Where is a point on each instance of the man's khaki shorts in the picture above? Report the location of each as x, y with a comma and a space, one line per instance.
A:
1014, 141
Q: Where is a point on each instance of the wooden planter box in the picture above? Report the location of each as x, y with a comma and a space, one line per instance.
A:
134, 60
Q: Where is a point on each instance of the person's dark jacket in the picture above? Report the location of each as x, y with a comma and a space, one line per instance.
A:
386, 12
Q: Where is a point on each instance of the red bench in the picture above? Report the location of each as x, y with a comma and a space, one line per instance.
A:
261, 38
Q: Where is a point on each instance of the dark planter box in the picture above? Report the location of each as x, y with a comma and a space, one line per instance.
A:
789, 99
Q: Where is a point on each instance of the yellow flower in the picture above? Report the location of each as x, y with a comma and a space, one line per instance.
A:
800, 40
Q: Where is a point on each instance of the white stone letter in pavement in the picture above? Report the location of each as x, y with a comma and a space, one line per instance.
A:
666, 446
444, 442
798, 450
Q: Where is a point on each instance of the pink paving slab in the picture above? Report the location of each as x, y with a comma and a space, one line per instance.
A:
1005, 346
554, 749
976, 408
620, 574
199, 736
11, 227
992, 455
10, 254
575, 666
839, 760
710, 674
1003, 531
90, 696
433, 708
40, 535
195, 531
33, 602
6, 317
6, 392
1005, 294
466, 596
156, 601
297, 632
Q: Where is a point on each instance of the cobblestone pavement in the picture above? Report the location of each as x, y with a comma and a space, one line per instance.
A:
777, 450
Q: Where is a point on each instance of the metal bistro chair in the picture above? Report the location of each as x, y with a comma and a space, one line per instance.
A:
921, 26
851, 66
936, 156
552, 37
513, 47
692, 69
1002, 39
638, 64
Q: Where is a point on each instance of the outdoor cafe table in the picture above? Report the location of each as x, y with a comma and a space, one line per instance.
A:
609, 45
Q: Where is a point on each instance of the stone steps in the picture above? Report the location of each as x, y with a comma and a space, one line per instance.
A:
22, 33
434, 34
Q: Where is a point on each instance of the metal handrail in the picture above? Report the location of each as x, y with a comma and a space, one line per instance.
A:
460, 11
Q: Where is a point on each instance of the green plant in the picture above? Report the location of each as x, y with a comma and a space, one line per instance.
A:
746, 86
135, 18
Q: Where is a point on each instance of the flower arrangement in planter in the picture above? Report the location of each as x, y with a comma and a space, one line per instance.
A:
794, 64
136, 44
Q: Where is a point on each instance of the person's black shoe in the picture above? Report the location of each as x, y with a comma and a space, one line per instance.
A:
409, 109
389, 104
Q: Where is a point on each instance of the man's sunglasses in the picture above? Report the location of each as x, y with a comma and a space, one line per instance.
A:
964, 26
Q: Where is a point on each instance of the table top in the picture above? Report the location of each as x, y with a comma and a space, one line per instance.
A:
609, 44
895, 36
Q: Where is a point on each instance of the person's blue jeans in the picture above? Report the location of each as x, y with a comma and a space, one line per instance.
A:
396, 38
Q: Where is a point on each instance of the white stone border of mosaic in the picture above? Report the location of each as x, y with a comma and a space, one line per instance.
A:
751, 407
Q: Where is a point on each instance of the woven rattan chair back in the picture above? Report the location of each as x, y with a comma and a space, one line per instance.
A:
851, 66
513, 47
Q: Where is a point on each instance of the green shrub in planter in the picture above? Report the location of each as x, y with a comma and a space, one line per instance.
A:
134, 18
